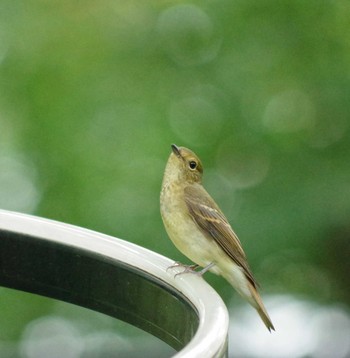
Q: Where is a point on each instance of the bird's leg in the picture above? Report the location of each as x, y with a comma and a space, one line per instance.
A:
205, 269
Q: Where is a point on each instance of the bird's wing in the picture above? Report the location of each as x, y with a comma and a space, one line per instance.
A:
212, 222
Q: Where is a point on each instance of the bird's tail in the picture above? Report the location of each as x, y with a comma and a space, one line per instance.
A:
248, 291
257, 303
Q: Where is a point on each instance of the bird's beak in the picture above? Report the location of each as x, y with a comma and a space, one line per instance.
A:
176, 150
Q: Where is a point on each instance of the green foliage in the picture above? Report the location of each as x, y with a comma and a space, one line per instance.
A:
92, 94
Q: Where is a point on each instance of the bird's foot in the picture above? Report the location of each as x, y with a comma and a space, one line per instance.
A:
187, 268
192, 268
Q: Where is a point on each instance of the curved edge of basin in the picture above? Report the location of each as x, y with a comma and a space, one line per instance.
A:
210, 336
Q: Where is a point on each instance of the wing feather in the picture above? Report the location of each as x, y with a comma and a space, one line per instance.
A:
212, 222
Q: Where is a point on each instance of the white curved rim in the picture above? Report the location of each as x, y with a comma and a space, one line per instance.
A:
210, 338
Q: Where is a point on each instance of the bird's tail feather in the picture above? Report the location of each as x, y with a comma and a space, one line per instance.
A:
249, 292
257, 303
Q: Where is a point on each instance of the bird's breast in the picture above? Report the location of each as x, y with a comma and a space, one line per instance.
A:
182, 230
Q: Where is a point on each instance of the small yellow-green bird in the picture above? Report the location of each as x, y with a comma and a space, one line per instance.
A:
199, 229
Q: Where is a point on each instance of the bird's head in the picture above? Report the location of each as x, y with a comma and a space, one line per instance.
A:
184, 165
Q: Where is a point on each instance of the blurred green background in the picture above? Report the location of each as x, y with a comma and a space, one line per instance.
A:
92, 94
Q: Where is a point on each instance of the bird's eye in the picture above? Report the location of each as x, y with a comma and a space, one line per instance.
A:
192, 164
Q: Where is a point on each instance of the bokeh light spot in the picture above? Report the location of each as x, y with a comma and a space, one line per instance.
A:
188, 35
328, 131
51, 337
18, 190
303, 329
246, 165
289, 111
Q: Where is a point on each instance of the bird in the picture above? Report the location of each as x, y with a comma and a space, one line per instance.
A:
199, 229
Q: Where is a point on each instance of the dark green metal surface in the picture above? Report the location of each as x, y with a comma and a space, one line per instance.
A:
97, 282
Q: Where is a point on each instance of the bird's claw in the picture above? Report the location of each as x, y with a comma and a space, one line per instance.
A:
187, 268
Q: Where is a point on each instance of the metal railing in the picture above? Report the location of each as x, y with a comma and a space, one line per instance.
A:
114, 277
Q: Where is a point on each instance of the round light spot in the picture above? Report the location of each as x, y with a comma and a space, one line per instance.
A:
51, 337
188, 35
18, 191
289, 111
245, 165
